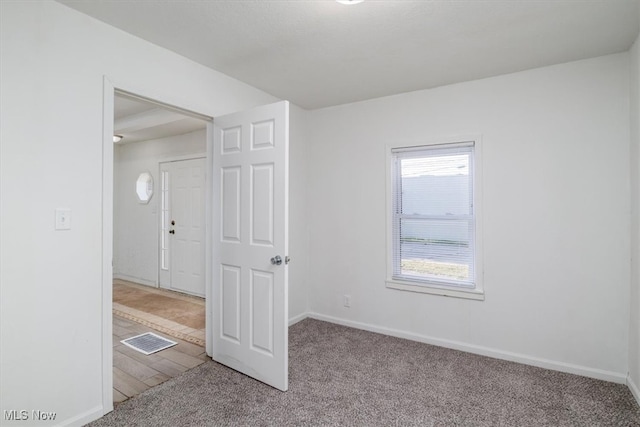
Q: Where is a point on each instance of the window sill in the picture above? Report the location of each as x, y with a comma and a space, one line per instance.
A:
436, 290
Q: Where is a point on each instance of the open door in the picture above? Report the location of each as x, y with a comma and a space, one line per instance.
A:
250, 242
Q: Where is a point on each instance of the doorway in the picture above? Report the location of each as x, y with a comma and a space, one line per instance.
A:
250, 165
167, 150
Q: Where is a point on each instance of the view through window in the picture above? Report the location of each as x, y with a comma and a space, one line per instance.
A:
433, 215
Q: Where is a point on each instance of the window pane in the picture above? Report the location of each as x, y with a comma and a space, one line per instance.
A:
438, 249
433, 225
436, 185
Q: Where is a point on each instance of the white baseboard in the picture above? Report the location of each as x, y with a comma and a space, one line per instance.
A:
295, 319
634, 389
84, 418
135, 280
483, 351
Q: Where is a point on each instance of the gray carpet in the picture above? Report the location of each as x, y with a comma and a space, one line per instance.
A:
344, 376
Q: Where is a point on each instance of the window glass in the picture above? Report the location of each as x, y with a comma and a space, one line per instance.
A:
433, 215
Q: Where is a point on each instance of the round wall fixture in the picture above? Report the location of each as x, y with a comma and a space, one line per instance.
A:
144, 187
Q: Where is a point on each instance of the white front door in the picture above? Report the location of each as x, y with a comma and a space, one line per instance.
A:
250, 235
182, 249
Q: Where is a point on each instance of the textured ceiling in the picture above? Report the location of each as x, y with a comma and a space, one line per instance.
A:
321, 53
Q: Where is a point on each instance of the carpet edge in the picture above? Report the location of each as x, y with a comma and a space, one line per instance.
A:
569, 368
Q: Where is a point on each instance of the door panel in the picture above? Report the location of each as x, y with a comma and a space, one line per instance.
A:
250, 329
262, 311
262, 221
231, 301
231, 204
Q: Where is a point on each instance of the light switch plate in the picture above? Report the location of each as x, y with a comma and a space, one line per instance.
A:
63, 219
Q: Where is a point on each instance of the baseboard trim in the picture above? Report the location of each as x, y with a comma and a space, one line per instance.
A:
135, 280
635, 390
298, 318
483, 351
83, 418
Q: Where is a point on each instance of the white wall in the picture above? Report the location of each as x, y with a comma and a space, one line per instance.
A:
556, 215
135, 225
298, 230
634, 318
52, 64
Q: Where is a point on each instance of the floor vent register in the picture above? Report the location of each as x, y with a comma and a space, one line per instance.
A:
148, 343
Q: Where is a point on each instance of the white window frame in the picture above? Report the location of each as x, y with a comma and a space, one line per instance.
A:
429, 286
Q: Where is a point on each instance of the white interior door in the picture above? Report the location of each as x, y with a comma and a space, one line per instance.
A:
183, 229
250, 234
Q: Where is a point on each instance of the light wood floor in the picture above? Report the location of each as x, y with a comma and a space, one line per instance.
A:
138, 309
135, 372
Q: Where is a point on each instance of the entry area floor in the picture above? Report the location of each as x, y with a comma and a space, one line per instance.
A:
138, 309
179, 315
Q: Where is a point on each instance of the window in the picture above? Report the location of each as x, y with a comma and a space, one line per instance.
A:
434, 219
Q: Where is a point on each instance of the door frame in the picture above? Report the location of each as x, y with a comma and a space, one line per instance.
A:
110, 88
171, 159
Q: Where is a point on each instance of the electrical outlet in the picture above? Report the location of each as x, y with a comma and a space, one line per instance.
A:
347, 301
